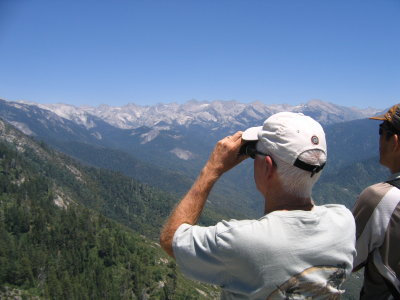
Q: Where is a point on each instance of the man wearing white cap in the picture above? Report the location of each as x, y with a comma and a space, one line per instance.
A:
297, 250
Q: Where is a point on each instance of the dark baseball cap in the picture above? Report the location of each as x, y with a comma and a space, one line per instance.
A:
392, 116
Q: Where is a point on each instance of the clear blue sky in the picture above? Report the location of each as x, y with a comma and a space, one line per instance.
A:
153, 51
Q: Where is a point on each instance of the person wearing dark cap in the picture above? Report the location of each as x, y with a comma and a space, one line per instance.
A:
377, 215
297, 250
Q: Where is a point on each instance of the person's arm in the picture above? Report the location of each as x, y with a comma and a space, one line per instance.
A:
223, 158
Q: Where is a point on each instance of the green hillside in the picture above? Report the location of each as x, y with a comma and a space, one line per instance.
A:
57, 243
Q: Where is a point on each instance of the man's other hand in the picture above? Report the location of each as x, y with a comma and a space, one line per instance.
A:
225, 154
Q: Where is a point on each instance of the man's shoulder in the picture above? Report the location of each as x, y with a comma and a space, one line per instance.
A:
373, 194
335, 209
247, 229
374, 197
333, 206
379, 189
337, 213
233, 224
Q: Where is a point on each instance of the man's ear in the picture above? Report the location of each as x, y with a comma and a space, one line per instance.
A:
270, 168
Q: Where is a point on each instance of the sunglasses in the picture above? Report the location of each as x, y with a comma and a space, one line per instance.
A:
255, 152
385, 127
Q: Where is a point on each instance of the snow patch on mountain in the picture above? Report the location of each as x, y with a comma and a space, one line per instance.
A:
182, 154
72, 113
149, 136
97, 135
152, 134
23, 127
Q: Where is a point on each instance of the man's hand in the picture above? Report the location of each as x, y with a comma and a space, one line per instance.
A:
225, 155
223, 158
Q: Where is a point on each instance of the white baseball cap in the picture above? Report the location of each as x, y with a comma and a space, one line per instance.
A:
286, 135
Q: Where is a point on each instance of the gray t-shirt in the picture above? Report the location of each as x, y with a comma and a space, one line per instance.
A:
283, 255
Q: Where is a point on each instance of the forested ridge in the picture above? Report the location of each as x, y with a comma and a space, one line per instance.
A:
57, 238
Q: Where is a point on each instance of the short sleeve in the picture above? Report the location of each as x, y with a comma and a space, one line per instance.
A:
198, 254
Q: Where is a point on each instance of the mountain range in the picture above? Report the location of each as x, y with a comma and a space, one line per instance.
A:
211, 115
173, 136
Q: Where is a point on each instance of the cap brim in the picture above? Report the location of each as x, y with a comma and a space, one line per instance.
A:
380, 117
251, 134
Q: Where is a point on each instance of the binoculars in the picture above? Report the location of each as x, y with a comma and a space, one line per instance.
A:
249, 149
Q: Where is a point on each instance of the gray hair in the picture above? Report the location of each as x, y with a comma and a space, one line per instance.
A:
295, 181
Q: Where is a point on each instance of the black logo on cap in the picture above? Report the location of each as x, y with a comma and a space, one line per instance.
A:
315, 140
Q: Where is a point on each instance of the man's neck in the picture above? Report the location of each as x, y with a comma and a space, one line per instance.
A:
277, 198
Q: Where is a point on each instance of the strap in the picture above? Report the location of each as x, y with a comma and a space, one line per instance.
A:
389, 277
307, 167
394, 182
392, 289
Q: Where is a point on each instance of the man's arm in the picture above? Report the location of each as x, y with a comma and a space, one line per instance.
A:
223, 158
